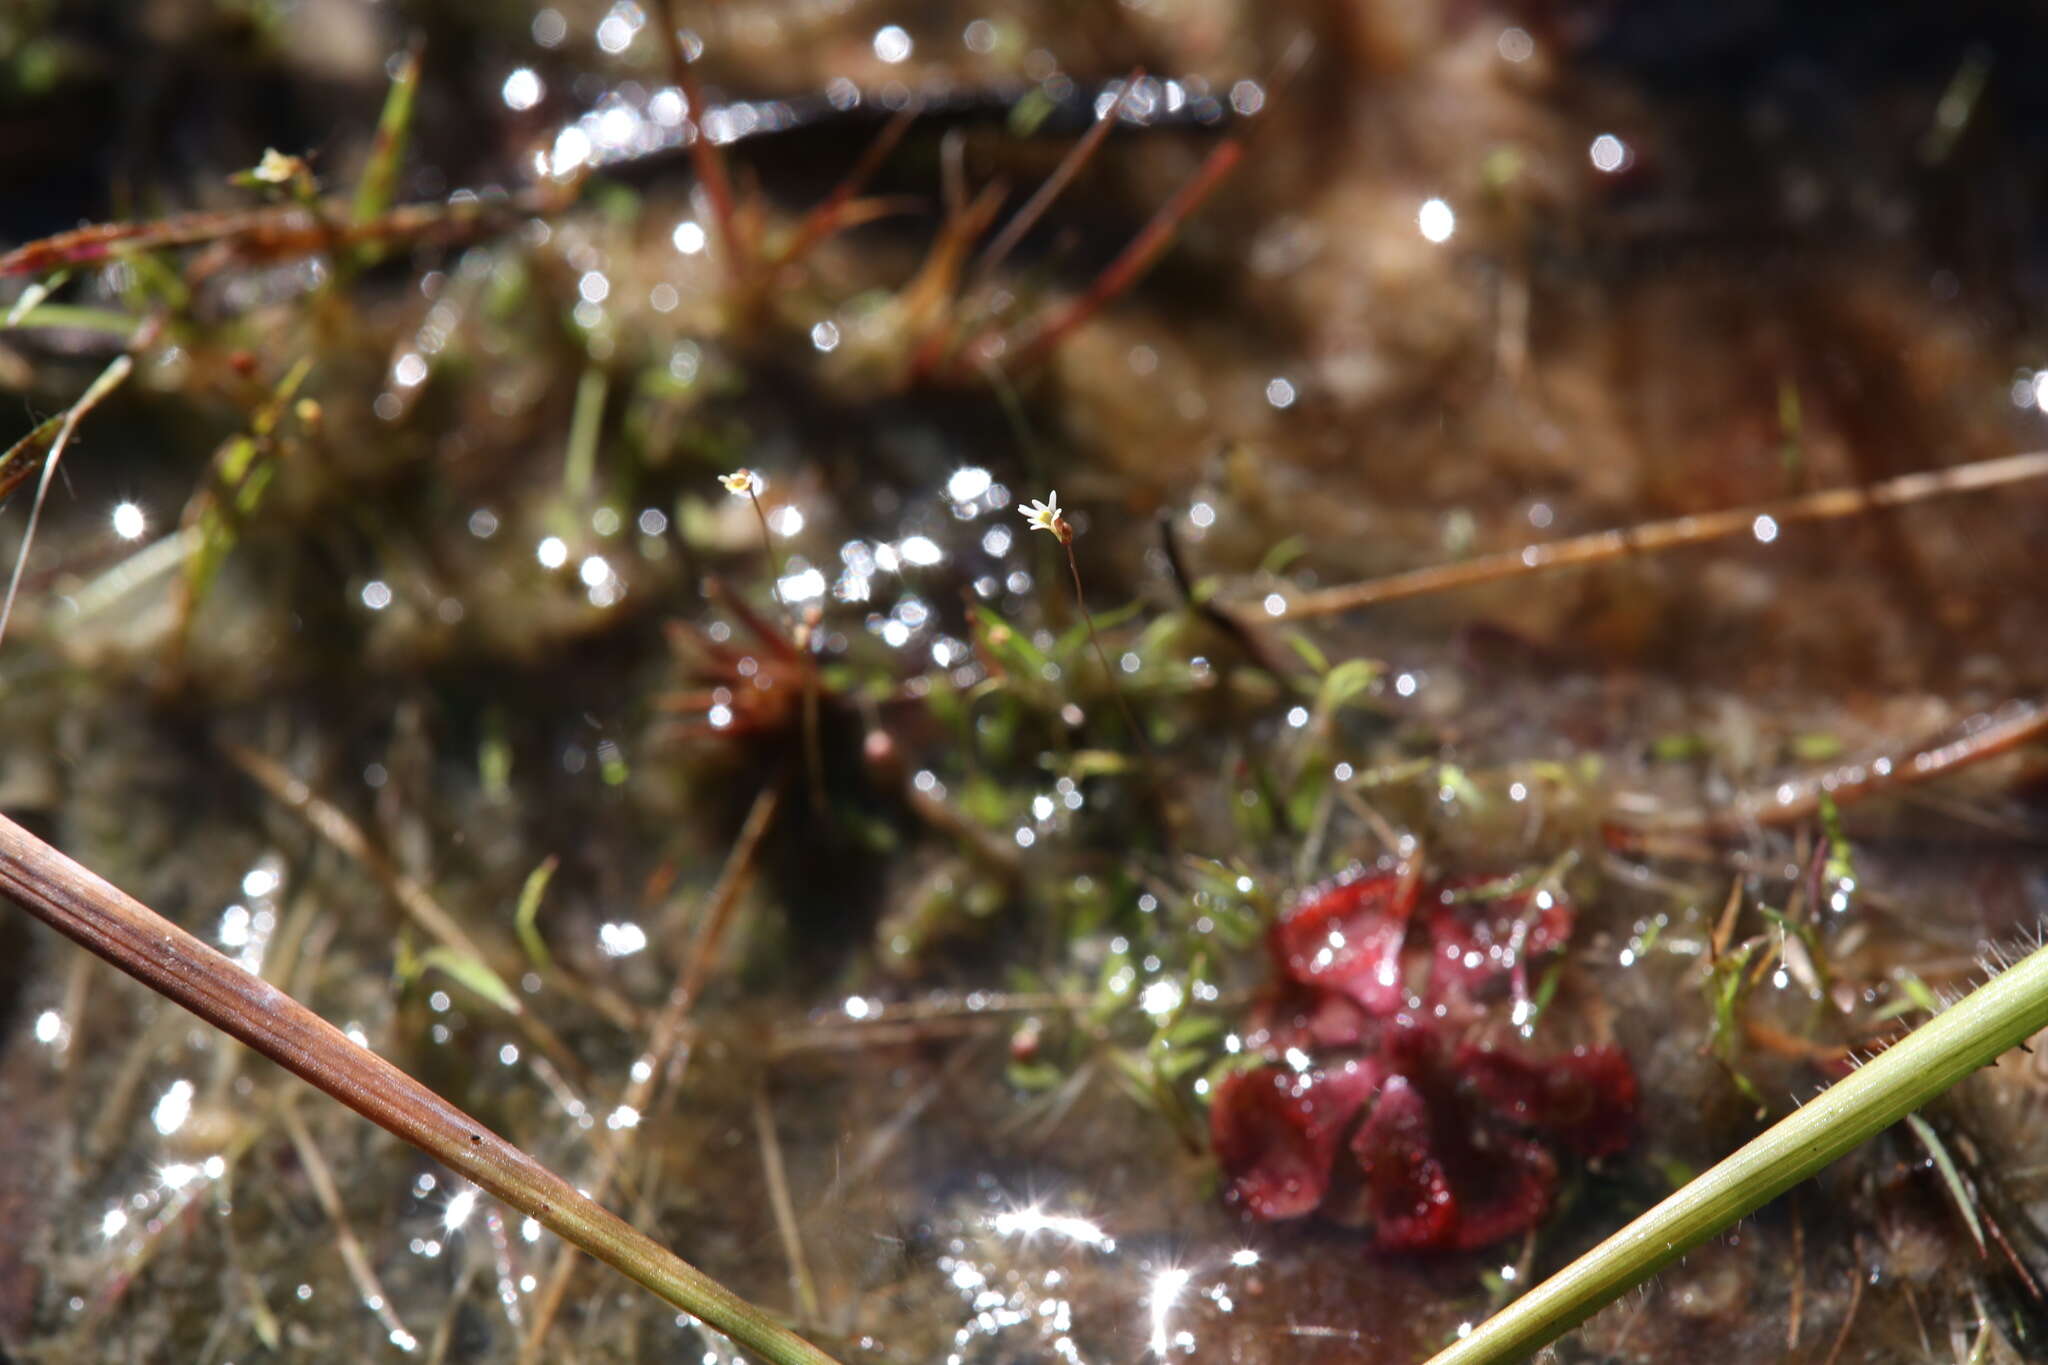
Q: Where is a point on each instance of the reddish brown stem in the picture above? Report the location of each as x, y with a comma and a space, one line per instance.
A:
706, 157
1600, 546
120, 929
1043, 198
830, 214
1132, 262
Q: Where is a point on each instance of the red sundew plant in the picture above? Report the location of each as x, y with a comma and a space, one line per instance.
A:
1379, 1105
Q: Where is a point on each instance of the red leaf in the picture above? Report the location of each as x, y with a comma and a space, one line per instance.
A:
1476, 943
1294, 1015
1587, 1098
1347, 937
1442, 1178
1276, 1132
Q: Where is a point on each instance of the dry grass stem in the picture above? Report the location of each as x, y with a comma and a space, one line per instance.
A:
665, 1051
1651, 537
120, 929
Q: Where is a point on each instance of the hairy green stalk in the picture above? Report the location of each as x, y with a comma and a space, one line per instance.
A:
2005, 1011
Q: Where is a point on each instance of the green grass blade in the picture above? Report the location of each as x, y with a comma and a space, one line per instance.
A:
2002, 1013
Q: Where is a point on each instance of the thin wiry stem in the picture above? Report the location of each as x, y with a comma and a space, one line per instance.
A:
784, 1208
799, 636
156, 952
1115, 687
1004, 242
351, 1247
665, 1047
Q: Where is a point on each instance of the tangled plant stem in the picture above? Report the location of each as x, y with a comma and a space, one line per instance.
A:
2002, 1013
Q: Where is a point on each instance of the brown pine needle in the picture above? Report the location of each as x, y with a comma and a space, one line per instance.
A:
1651, 537
123, 931
1131, 263
706, 156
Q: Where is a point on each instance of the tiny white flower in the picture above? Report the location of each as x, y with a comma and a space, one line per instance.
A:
276, 168
1045, 516
742, 483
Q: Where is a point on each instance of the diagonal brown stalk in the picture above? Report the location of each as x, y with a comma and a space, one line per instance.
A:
120, 929
666, 1047
1004, 242
706, 156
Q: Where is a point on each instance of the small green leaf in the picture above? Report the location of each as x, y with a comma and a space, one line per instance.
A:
1284, 553
1308, 650
1679, 748
524, 919
1959, 1191
1083, 763
1816, 748
471, 973
1347, 682
1034, 1076
1192, 1029
379, 185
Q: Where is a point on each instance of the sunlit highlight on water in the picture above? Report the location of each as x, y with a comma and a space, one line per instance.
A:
173, 1108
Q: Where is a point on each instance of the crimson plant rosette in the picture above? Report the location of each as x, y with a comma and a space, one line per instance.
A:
1380, 1100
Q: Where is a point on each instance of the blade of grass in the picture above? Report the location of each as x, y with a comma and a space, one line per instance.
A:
379, 185
41, 449
120, 929
2002, 1013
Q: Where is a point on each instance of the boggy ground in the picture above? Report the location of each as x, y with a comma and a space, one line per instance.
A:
940, 1088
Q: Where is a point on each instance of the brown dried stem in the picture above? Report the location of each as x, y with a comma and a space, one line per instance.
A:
706, 156
1601, 546
123, 931
1982, 736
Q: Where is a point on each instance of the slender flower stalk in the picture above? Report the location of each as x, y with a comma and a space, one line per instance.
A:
745, 483
1046, 516
2002, 1013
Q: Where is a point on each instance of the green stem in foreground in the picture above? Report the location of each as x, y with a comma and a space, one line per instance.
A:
2002, 1013
117, 927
